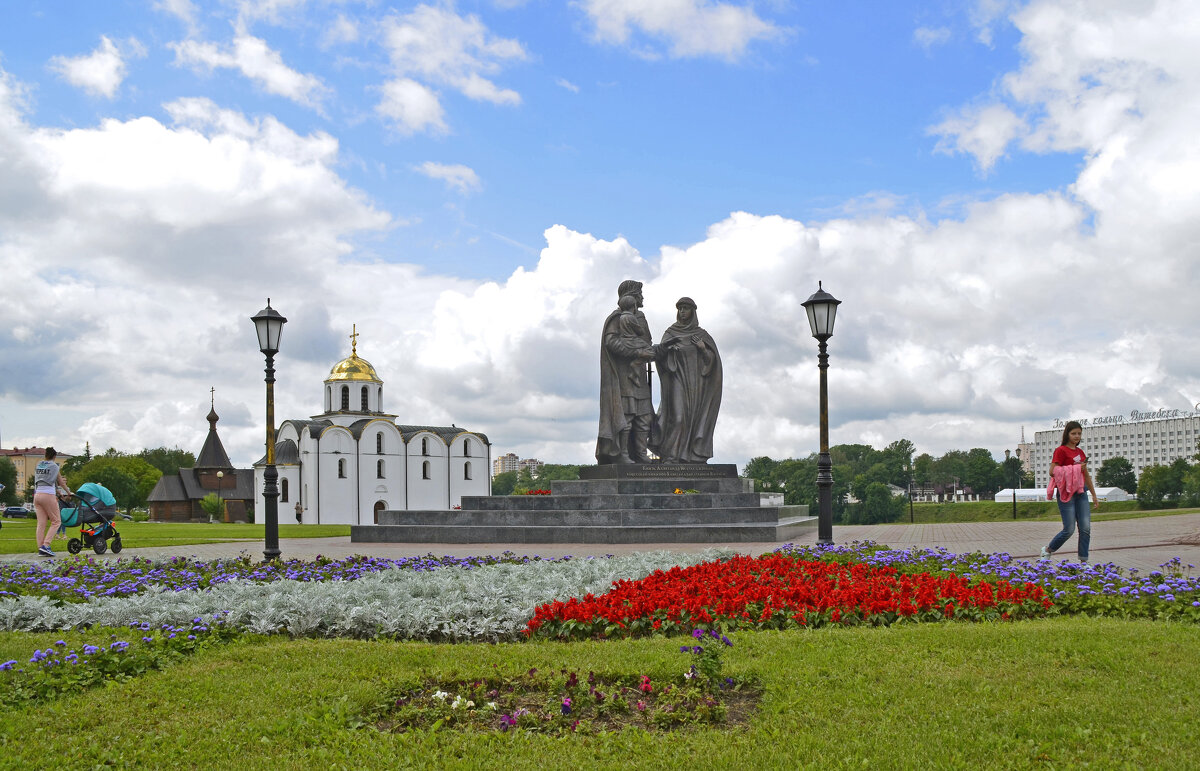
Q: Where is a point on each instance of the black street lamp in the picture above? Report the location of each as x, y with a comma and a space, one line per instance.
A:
1015, 483
269, 324
822, 309
911, 518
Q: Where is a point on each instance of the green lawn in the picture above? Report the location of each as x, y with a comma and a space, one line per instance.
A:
16, 535
1057, 693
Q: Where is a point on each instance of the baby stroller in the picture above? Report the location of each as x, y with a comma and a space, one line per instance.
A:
94, 512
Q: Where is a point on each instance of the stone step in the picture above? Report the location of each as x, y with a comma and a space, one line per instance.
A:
649, 486
570, 518
609, 501
783, 530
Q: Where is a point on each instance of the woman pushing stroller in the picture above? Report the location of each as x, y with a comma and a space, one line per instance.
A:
48, 481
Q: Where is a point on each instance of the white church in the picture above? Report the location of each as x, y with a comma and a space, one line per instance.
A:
353, 461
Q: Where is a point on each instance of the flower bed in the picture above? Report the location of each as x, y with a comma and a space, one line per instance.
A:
564, 702
777, 591
1099, 589
77, 579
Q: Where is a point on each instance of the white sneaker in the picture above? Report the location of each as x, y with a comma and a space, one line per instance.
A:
1045, 554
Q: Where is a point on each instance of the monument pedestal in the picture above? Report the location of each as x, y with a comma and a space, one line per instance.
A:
633, 503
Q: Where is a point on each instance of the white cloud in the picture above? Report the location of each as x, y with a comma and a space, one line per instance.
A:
256, 60
928, 37
437, 46
184, 10
984, 132
691, 28
456, 176
953, 332
341, 31
101, 72
411, 107
564, 83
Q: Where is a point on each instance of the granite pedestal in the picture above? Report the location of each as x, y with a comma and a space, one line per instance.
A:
609, 504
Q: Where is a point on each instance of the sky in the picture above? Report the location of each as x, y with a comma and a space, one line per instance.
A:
1004, 195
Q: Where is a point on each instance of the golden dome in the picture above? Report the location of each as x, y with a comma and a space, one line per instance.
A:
352, 367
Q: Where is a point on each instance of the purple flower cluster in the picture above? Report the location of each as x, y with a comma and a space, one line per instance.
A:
1074, 585
102, 662
77, 580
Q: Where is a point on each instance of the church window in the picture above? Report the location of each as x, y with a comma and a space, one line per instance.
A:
341, 468
365, 406
379, 506
379, 443
425, 470
379, 398
328, 398
283, 490
345, 398
379, 469
467, 470
425, 446
466, 448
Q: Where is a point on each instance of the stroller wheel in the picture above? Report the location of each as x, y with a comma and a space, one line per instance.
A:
74, 545
99, 545
116, 545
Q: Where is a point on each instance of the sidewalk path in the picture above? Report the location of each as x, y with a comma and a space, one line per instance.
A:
1144, 544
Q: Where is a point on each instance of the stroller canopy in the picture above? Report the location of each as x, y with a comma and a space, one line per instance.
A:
96, 495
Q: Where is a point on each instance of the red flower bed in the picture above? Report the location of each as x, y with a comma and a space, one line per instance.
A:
536, 492
775, 591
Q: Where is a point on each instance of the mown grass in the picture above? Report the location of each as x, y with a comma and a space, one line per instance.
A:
16, 535
1027, 511
1039, 694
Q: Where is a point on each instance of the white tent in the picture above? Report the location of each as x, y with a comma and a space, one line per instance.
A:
1039, 494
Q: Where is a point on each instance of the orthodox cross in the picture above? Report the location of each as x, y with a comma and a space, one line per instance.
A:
353, 339
212, 397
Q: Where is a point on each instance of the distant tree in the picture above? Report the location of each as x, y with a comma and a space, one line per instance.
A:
1160, 485
897, 457
1191, 487
525, 481
168, 461
504, 482
550, 472
8, 477
213, 505
982, 471
1011, 473
923, 469
762, 470
1117, 472
878, 506
144, 476
123, 486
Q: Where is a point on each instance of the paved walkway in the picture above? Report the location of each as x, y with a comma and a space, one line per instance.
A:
1144, 544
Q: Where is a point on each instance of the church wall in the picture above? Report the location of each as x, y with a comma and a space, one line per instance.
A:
468, 450
339, 493
431, 493
390, 488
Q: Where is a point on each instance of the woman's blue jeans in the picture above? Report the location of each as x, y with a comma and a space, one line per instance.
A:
1077, 511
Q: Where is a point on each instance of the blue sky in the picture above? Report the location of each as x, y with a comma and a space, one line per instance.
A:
837, 106
464, 181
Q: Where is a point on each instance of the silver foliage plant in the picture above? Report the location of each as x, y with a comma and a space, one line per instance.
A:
491, 603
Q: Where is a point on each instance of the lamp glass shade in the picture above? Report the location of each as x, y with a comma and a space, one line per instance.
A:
822, 310
269, 324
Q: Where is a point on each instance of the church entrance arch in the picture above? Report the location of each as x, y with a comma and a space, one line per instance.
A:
379, 506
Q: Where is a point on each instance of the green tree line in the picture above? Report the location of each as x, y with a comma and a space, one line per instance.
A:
864, 473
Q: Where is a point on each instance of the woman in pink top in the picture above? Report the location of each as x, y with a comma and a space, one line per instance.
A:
1073, 508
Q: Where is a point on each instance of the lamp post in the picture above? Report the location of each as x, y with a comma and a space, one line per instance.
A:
220, 506
269, 324
911, 519
1006, 456
822, 309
